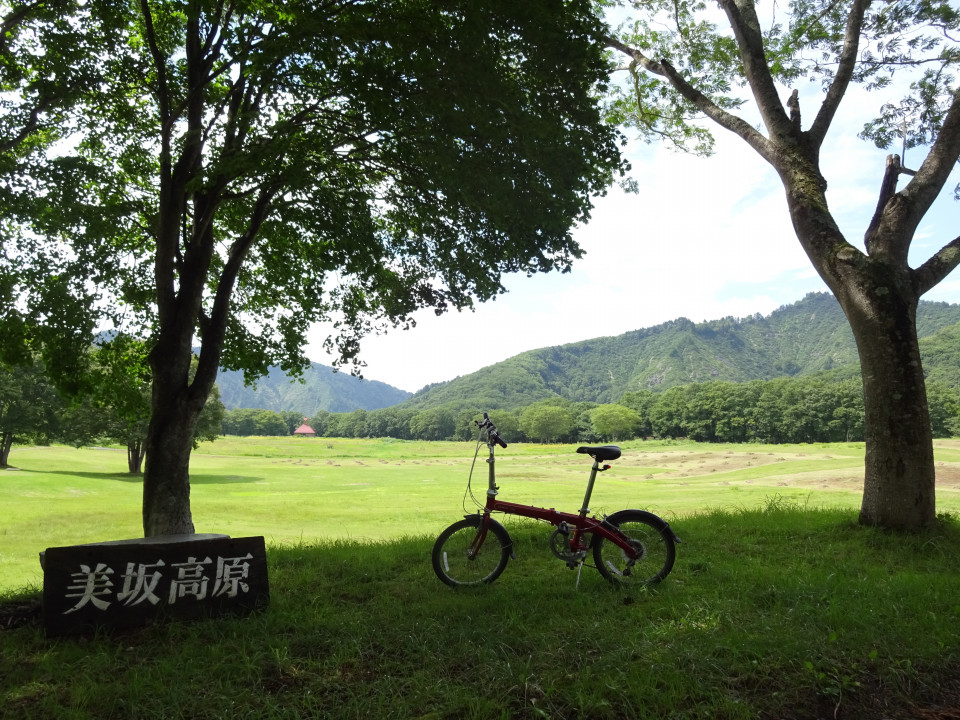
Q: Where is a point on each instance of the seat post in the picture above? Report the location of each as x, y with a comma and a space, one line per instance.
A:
586, 498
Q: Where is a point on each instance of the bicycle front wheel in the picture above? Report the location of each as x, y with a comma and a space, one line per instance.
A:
651, 538
459, 558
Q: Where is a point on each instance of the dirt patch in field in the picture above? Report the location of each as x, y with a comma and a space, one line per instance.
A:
816, 469
695, 464
799, 469
948, 476
850, 479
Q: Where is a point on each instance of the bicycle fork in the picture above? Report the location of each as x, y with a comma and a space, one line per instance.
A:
485, 522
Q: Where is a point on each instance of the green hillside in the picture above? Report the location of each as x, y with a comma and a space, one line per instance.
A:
807, 337
322, 388
941, 356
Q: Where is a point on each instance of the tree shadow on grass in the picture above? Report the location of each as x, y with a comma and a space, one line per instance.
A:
195, 479
120, 477
208, 479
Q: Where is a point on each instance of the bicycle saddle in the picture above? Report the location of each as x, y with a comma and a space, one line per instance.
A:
602, 453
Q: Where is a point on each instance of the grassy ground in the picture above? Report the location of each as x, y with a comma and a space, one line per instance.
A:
294, 490
779, 606
773, 613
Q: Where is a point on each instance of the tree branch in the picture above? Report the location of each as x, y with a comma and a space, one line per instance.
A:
14, 18
841, 81
899, 214
937, 267
29, 126
213, 34
215, 326
166, 233
933, 172
720, 116
159, 62
793, 104
742, 16
887, 190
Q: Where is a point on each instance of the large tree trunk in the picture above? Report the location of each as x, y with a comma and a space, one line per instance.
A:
878, 294
134, 457
899, 473
6, 442
176, 405
166, 477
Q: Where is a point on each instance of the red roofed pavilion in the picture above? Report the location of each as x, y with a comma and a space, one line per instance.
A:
305, 430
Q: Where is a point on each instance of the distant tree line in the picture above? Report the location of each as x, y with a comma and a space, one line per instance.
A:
115, 410
255, 421
783, 410
111, 407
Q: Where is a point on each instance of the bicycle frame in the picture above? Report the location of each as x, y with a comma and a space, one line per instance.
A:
581, 523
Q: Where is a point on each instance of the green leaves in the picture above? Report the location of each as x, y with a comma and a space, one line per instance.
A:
28, 406
915, 121
685, 36
813, 39
251, 168
615, 422
546, 422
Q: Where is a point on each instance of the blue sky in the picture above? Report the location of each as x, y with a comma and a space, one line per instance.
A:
705, 238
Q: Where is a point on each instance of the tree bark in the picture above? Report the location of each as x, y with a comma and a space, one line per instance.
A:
166, 477
899, 485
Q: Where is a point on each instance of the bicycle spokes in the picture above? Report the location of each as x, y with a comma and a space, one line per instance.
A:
630, 547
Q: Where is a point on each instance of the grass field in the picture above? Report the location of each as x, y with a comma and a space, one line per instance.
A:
779, 607
294, 490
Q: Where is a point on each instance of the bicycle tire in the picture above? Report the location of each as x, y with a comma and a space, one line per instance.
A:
653, 538
454, 565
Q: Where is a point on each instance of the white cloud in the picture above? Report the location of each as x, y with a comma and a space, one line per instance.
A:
705, 238
696, 229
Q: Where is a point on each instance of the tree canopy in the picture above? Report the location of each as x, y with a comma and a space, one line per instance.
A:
242, 169
53, 57
546, 422
616, 422
29, 407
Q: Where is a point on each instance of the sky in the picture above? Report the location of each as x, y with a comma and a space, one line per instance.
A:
705, 238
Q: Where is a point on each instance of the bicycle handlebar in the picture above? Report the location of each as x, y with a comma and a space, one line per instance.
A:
491, 430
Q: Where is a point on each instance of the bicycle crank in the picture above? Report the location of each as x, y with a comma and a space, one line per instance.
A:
560, 546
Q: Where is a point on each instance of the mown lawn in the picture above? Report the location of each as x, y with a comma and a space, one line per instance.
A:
779, 606
772, 613
293, 490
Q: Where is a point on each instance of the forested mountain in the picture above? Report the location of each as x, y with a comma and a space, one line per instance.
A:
322, 389
941, 356
804, 338
807, 337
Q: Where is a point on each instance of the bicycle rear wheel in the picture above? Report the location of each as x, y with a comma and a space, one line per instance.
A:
652, 539
457, 560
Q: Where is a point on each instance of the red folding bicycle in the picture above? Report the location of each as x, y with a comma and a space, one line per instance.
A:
629, 547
